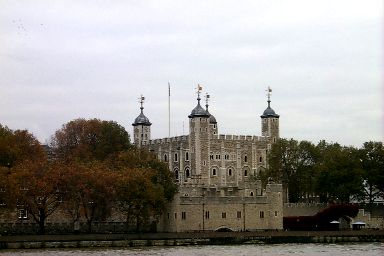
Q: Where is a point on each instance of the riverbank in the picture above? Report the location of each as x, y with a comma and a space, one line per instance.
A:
197, 238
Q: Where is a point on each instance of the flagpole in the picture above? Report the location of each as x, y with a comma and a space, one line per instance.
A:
169, 110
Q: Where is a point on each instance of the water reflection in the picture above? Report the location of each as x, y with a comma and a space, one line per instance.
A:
358, 249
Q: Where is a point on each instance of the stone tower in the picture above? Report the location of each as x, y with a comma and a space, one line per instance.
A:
141, 127
199, 141
270, 121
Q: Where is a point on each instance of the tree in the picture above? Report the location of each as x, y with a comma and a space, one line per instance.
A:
144, 187
138, 197
372, 159
292, 163
37, 187
87, 140
339, 173
90, 192
17, 146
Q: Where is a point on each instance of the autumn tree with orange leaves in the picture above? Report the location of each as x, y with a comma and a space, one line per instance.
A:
92, 168
143, 188
89, 140
90, 192
38, 187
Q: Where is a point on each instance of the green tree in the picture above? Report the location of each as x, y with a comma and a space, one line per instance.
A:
372, 159
339, 173
292, 163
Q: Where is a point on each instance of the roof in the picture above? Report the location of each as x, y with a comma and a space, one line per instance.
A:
212, 119
269, 112
142, 119
198, 111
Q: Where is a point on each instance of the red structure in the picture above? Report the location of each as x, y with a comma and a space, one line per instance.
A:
322, 220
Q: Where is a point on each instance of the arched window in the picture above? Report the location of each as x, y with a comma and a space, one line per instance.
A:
176, 172
187, 174
251, 194
165, 158
214, 172
230, 172
245, 173
245, 159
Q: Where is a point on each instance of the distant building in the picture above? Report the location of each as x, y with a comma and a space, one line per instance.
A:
218, 175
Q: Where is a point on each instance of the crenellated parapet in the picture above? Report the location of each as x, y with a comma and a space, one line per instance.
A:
169, 140
240, 137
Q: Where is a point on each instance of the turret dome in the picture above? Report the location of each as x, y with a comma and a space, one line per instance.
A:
212, 119
198, 111
142, 120
269, 112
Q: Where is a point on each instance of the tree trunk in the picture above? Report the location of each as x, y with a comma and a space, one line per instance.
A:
42, 218
89, 222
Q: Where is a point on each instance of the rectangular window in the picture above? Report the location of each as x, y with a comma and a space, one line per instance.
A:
23, 214
183, 215
207, 214
186, 156
261, 215
175, 215
275, 213
223, 215
176, 156
238, 215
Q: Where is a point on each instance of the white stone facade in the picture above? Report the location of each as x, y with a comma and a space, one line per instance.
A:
218, 176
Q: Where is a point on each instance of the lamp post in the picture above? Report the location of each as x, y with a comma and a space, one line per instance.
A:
203, 195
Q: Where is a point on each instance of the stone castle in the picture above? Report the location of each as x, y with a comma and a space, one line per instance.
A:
219, 188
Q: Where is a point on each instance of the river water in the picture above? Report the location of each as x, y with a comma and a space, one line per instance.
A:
347, 249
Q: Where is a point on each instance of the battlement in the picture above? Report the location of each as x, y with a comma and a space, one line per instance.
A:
239, 137
168, 140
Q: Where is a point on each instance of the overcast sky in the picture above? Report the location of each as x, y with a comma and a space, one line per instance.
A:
61, 60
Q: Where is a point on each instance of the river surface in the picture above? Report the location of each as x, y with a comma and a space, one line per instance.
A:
347, 249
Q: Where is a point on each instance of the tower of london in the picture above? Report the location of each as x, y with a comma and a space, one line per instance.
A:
217, 175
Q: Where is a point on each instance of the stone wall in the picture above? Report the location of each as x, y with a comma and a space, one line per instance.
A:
198, 212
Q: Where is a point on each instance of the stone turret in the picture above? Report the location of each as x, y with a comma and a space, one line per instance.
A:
141, 127
270, 121
199, 140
